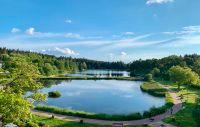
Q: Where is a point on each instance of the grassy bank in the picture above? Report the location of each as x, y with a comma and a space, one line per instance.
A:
153, 88
184, 117
133, 116
60, 123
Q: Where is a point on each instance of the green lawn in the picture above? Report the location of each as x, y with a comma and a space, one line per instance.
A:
184, 117
61, 123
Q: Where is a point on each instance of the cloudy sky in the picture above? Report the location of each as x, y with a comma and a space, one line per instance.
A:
107, 30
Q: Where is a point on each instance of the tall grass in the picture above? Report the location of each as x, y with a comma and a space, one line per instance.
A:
133, 116
153, 88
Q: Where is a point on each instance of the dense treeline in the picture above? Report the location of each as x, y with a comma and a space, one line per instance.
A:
160, 67
92, 64
52, 65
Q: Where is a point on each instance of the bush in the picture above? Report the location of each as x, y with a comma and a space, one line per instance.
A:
148, 77
156, 111
54, 94
41, 124
52, 109
133, 116
31, 124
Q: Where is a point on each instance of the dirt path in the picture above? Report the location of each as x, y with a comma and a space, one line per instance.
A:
157, 119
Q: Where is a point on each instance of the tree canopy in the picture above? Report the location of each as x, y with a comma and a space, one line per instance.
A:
183, 75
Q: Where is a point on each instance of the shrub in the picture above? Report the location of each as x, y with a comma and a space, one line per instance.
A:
148, 77
54, 94
52, 109
31, 124
133, 116
41, 124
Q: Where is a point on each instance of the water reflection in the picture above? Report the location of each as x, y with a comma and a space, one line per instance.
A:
101, 96
101, 73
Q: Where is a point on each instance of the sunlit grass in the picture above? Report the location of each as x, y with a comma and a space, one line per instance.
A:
184, 117
61, 123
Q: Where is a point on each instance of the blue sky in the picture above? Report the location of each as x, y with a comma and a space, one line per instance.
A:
107, 30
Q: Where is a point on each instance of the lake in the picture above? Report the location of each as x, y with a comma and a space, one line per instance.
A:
101, 73
102, 96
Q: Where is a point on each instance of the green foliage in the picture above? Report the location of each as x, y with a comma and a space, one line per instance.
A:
143, 67
13, 107
50, 65
148, 77
169, 99
156, 111
153, 88
62, 123
184, 118
196, 114
40, 97
133, 116
22, 75
31, 124
57, 110
54, 94
155, 72
183, 75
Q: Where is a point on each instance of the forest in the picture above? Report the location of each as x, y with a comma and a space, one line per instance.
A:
51, 65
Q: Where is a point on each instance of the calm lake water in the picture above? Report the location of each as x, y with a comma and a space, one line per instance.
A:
102, 96
101, 73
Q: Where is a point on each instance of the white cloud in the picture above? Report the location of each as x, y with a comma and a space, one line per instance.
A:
128, 43
158, 1
66, 51
185, 30
68, 21
192, 29
43, 50
72, 35
30, 31
128, 33
37, 34
123, 53
58, 51
15, 30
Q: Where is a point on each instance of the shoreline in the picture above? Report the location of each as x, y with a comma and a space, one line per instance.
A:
93, 78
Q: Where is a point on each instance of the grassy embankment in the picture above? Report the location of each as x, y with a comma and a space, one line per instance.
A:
61, 123
184, 118
153, 88
156, 89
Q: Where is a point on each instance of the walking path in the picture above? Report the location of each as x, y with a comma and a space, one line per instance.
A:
157, 119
